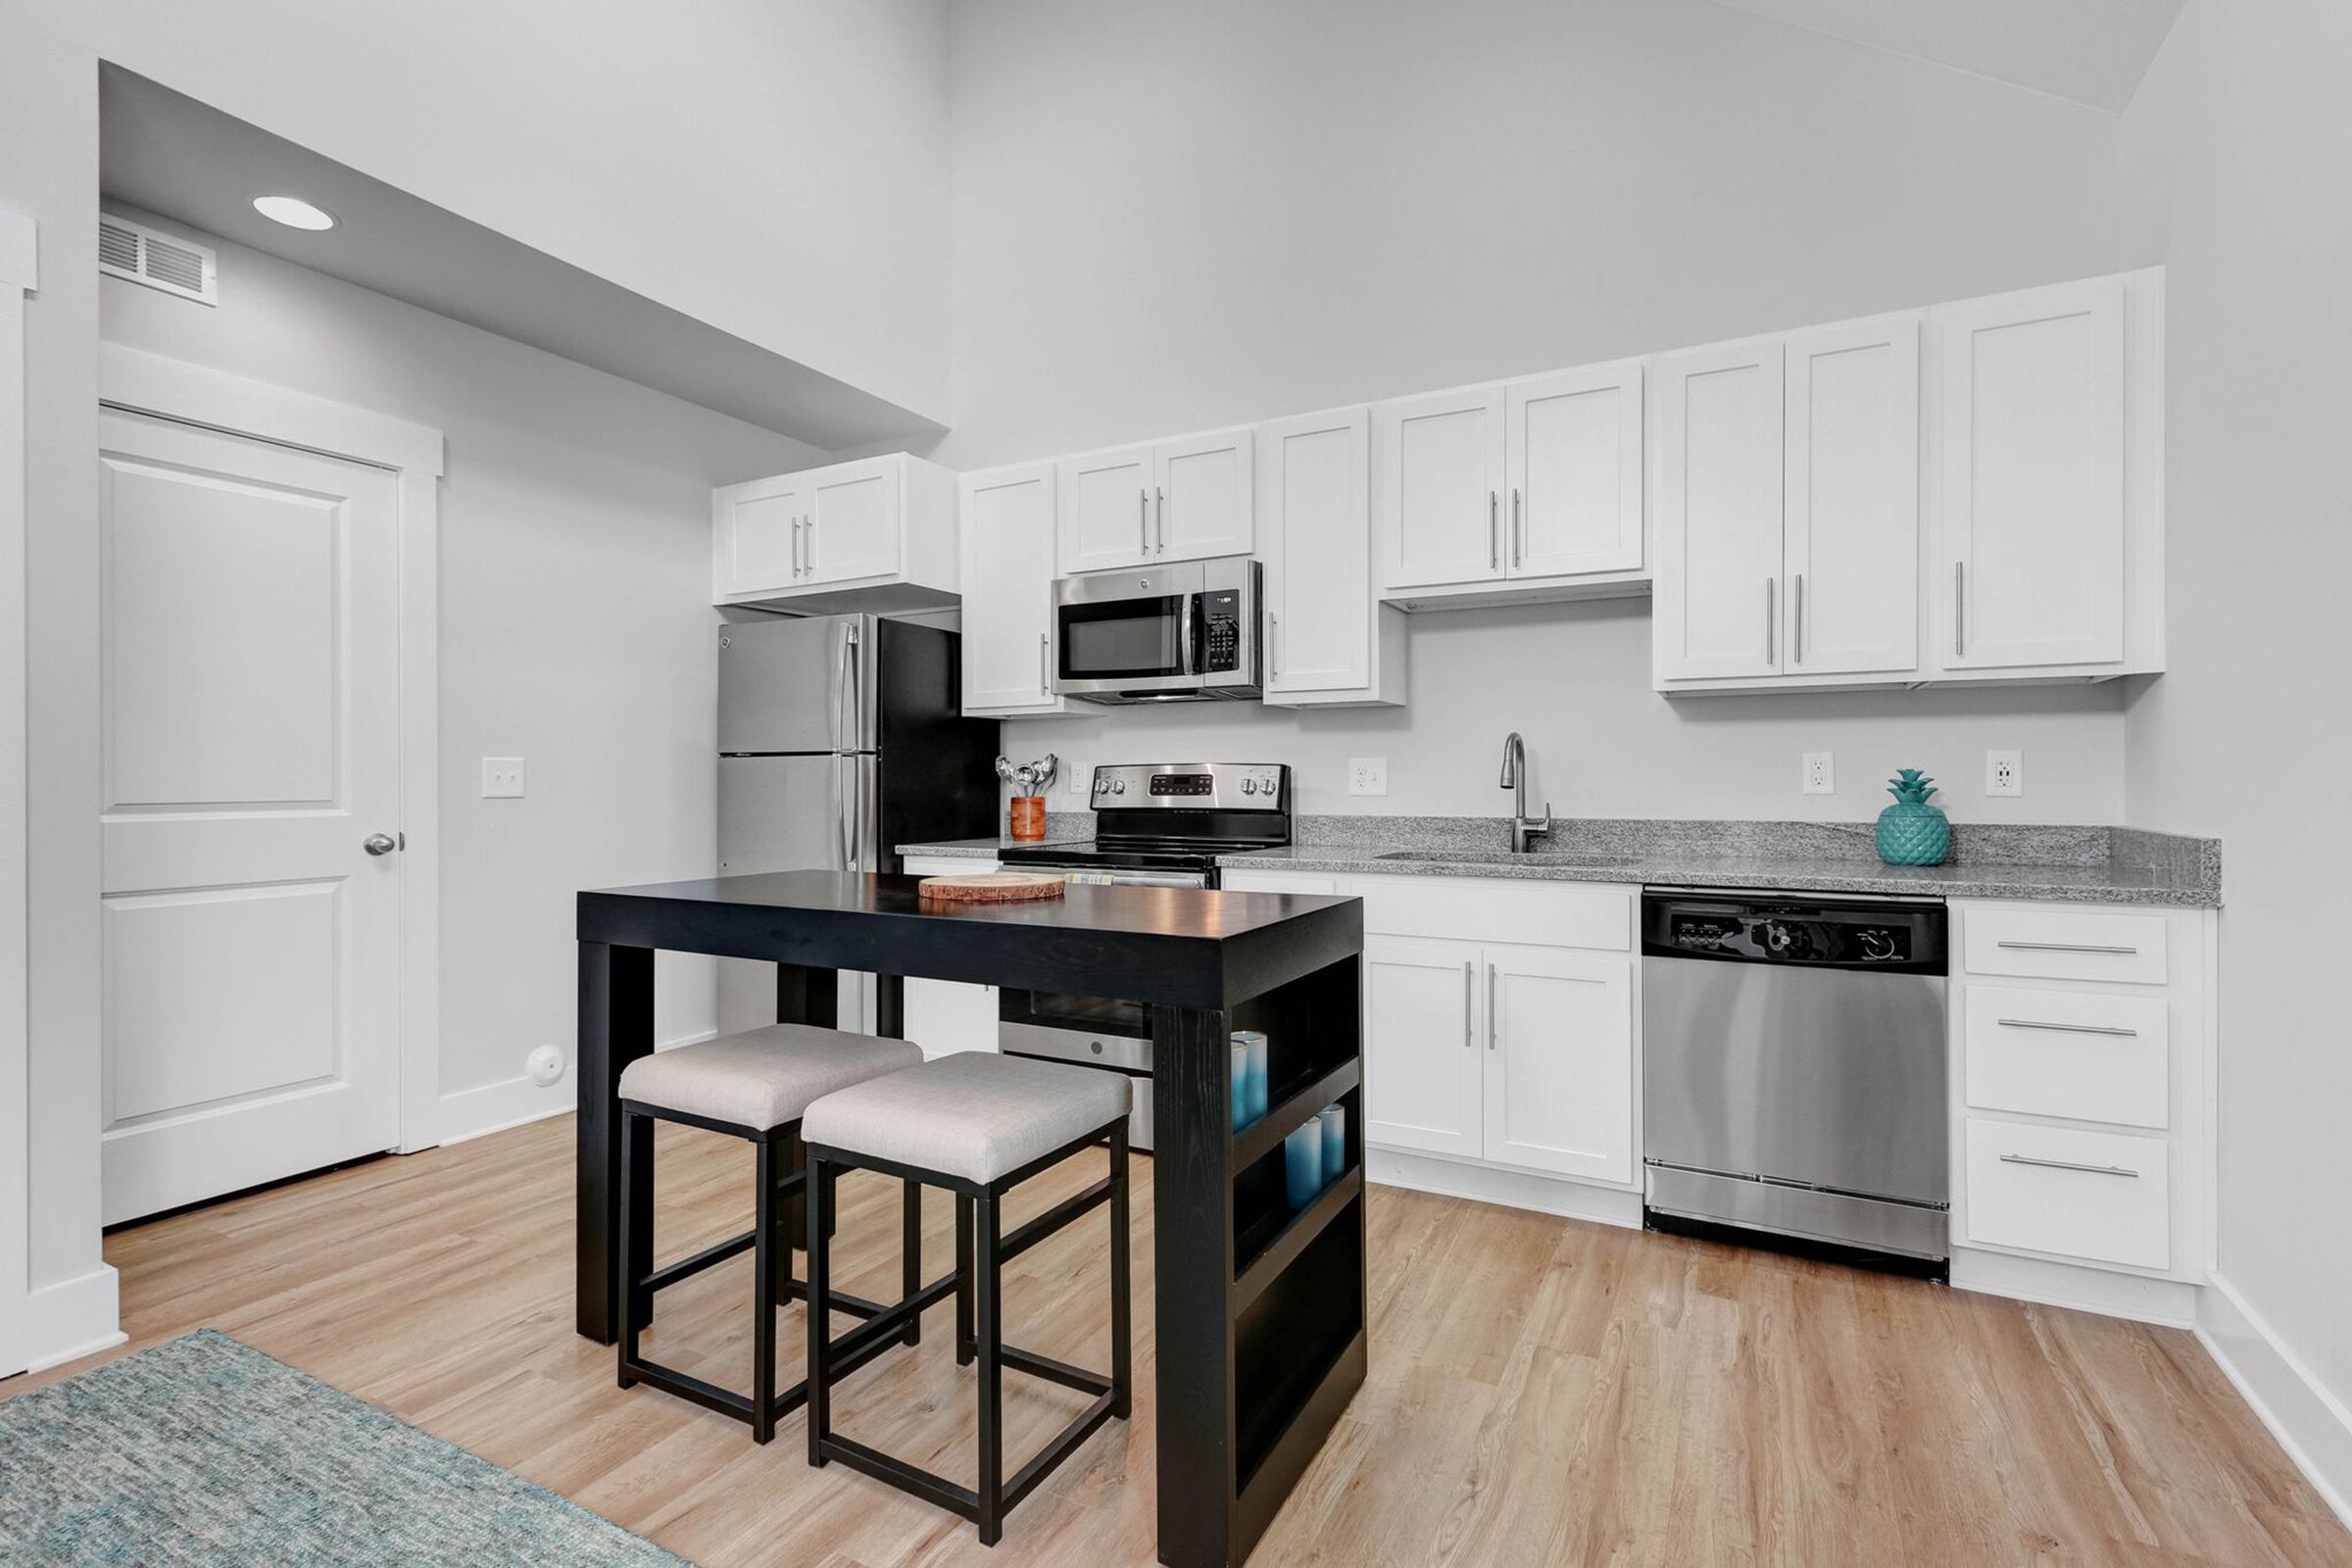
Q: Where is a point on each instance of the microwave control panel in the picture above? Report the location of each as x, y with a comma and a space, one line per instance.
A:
1221, 622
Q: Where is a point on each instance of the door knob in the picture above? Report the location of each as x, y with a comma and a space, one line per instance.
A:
379, 844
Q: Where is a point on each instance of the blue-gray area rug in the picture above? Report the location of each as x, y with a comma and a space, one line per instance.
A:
205, 1450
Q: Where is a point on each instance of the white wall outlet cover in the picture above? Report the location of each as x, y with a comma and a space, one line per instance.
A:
546, 1066
2004, 772
502, 778
1819, 776
1367, 775
1078, 778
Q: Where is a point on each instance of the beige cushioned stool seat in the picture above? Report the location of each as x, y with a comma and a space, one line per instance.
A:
974, 1114
762, 1078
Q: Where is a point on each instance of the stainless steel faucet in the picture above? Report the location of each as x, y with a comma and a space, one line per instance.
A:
1514, 779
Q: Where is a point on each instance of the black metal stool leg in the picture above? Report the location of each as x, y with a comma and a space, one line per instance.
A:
964, 1345
820, 1193
634, 1266
910, 1254
1122, 1398
990, 1332
763, 1290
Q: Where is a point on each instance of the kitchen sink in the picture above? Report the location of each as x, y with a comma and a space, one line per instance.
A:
1482, 856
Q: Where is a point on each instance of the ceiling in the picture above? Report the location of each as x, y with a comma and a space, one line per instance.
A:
2090, 51
186, 161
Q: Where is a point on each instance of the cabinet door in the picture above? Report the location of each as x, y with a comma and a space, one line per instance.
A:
1315, 541
1424, 1016
1105, 509
1575, 465
1851, 514
2031, 496
946, 1016
1560, 1082
1441, 486
1716, 608
1008, 551
854, 516
753, 547
1202, 498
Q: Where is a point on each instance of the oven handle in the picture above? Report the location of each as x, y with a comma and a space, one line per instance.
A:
1130, 879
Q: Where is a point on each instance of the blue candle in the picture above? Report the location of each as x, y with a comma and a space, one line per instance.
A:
1253, 1103
1302, 1162
1240, 1086
1333, 1121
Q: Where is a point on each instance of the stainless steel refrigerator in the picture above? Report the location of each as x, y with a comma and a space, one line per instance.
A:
839, 738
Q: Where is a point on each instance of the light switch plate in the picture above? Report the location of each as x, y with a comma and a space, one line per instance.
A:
1367, 775
1820, 773
2004, 772
502, 778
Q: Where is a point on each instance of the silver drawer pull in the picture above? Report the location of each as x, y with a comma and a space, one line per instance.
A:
2067, 947
2066, 1028
2068, 1164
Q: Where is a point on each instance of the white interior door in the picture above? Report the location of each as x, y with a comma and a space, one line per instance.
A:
1852, 510
252, 731
1559, 1084
1716, 603
1575, 462
1441, 460
1424, 1013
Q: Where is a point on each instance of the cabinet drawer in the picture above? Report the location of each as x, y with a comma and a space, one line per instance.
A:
1543, 914
2103, 1197
2082, 1054
2064, 945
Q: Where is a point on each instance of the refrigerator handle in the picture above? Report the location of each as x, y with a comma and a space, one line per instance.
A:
850, 793
845, 700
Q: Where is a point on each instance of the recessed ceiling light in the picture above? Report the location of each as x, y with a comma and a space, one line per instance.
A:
293, 212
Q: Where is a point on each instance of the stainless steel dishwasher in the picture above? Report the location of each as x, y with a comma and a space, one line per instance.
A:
1793, 1068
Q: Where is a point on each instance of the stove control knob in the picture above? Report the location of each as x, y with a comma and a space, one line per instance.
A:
1118, 786
1248, 786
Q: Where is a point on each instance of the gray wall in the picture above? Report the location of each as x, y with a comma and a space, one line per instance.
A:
1175, 217
2234, 160
575, 628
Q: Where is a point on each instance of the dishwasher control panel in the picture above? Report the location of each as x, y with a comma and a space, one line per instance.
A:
1861, 936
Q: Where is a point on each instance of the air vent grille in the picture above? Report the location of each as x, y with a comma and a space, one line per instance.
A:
138, 254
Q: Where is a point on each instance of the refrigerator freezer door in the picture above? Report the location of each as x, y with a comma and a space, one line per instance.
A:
780, 685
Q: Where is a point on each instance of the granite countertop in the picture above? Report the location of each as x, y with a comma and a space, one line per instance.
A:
2057, 864
986, 849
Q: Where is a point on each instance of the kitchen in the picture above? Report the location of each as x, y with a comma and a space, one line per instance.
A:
1574, 511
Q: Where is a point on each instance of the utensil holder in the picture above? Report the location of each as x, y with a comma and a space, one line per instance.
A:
1029, 817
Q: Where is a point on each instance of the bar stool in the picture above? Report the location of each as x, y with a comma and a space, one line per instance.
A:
754, 1086
977, 1124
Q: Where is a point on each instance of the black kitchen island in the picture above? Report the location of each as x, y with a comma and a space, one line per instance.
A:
1261, 1311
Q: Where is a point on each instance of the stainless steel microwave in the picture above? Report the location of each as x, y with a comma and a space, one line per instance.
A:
1187, 631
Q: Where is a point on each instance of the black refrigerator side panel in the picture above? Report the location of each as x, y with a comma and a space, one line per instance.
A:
939, 768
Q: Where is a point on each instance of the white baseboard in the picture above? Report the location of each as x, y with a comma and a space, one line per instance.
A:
1512, 1189
72, 1319
512, 1102
2172, 1304
2308, 1421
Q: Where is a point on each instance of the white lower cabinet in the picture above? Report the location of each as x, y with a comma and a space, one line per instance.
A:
1423, 1073
946, 1016
2095, 1195
1559, 1078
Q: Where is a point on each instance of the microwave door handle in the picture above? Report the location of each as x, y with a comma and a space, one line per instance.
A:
1195, 636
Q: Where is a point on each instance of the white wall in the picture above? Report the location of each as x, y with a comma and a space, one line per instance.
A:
774, 168
1175, 217
576, 629
2235, 156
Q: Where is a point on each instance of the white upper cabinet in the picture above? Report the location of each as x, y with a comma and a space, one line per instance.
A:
878, 533
2034, 465
1007, 547
1573, 457
1181, 500
1851, 516
1717, 598
1327, 640
1442, 467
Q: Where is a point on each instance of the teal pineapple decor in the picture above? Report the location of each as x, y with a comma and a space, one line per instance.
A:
1911, 832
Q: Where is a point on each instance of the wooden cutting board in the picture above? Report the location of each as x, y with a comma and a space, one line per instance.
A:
991, 887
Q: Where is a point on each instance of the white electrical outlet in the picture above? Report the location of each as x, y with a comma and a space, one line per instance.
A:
2004, 772
1820, 773
502, 778
1078, 778
1367, 775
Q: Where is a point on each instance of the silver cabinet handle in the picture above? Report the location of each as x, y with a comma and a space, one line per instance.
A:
1159, 515
1796, 621
1469, 1004
2068, 1164
1143, 520
809, 523
2067, 1028
1494, 534
1772, 625
1959, 609
2065, 946
1518, 530
1490, 1006
795, 547
1045, 665
1274, 644
379, 844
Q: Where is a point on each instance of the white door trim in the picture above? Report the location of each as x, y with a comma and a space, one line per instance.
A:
17, 279
139, 382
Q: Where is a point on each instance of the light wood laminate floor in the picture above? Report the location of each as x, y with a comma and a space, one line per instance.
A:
1542, 1392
